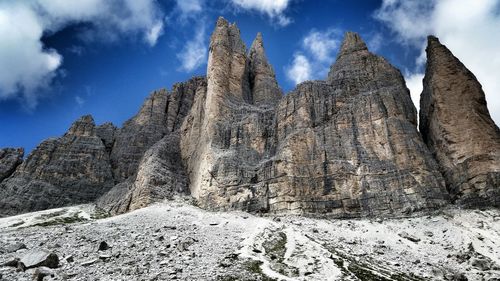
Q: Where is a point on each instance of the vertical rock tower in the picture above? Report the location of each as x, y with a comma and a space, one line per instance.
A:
457, 127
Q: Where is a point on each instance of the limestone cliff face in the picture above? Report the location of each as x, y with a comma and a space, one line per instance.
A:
457, 127
68, 170
347, 147
146, 153
227, 135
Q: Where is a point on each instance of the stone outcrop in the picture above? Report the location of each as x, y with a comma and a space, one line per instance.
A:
60, 171
457, 127
10, 158
146, 153
346, 147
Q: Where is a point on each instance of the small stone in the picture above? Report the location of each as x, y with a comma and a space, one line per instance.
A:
42, 272
409, 237
481, 264
39, 258
103, 246
89, 262
104, 257
428, 233
70, 259
11, 248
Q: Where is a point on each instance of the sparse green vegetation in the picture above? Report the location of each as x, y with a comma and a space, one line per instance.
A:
62, 220
100, 214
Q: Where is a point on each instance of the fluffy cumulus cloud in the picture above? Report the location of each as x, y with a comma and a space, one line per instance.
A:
275, 9
315, 56
28, 67
468, 28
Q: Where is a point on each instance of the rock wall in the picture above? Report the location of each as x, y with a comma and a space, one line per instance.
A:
10, 158
457, 127
346, 147
146, 151
68, 170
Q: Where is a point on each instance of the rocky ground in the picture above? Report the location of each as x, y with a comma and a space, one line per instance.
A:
175, 240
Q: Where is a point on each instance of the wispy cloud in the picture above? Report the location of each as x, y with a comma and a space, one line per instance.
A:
194, 54
28, 67
467, 28
315, 56
274, 9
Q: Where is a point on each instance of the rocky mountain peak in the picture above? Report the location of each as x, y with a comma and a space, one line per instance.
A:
84, 126
352, 43
227, 35
263, 82
457, 127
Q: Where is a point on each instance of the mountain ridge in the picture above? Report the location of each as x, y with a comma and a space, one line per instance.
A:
347, 146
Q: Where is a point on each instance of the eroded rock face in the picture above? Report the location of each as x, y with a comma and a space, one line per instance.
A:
161, 113
146, 153
10, 158
68, 170
457, 127
347, 147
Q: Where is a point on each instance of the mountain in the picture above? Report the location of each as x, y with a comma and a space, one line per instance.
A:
344, 147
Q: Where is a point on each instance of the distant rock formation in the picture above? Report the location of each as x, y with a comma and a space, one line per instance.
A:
344, 147
148, 144
457, 127
68, 170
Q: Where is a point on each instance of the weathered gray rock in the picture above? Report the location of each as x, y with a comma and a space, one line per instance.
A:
10, 158
11, 248
60, 171
457, 127
42, 272
37, 258
161, 113
347, 147
263, 84
146, 151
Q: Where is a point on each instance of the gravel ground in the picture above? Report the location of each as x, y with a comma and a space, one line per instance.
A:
174, 240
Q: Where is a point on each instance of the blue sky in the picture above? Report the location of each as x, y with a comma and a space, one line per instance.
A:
62, 60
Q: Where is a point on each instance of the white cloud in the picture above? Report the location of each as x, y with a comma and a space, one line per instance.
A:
468, 28
28, 67
414, 83
275, 9
194, 53
300, 70
315, 57
190, 6
79, 100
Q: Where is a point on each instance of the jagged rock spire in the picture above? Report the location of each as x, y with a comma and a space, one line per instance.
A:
352, 43
84, 126
358, 71
457, 127
263, 82
227, 73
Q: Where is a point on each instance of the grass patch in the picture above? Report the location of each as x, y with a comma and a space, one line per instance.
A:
62, 220
100, 214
